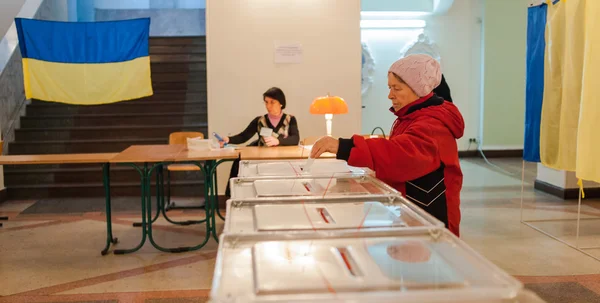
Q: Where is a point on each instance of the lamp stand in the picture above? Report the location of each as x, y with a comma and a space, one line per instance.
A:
328, 122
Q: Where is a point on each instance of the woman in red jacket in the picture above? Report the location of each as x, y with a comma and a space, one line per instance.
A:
420, 159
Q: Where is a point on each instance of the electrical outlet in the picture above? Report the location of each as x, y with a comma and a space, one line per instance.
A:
472, 140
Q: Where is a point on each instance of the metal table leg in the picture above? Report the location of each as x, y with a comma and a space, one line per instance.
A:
158, 202
149, 216
211, 191
216, 193
143, 183
106, 181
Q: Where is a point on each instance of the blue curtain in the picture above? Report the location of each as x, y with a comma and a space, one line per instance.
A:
534, 88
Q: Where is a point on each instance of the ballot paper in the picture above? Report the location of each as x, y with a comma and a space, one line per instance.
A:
266, 132
307, 166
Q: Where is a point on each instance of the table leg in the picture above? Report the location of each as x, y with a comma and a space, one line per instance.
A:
143, 185
149, 215
216, 193
158, 201
211, 201
106, 181
211, 192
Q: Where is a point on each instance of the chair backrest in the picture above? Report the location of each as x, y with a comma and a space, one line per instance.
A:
181, 137
310, 140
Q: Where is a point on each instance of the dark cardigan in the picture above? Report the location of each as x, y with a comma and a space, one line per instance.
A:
286, 131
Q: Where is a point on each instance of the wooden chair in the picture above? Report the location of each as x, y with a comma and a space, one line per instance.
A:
179, 138
310, 140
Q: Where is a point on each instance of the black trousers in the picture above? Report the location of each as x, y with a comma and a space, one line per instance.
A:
235, 168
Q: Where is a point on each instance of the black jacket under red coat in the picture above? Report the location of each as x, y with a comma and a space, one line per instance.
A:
420, 159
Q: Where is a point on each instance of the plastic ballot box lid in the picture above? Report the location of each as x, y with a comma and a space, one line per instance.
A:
273, 215
298, 168
309, 186
365, 266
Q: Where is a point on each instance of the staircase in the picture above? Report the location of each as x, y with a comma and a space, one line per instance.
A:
178, 104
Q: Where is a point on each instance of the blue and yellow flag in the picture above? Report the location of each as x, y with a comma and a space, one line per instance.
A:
85, 63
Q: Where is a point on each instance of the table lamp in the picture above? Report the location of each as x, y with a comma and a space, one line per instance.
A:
328, 106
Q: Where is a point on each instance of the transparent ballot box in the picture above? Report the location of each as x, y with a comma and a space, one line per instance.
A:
297, 168
273, 215
350, 266
309, 186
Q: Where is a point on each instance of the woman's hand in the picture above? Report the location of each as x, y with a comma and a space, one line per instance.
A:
225, 141
324, 145
271, 141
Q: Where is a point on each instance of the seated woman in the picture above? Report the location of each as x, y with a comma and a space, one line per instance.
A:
420, 159
283, 128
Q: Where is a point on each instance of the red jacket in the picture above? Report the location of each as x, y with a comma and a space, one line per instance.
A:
420, 159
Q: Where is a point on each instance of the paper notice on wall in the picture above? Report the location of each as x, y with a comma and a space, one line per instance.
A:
288, 52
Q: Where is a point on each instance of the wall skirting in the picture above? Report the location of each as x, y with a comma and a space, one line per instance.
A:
505, 153
565, 193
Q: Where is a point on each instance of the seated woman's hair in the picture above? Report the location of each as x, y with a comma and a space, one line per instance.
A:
277, 94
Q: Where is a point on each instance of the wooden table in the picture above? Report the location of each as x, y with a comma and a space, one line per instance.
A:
57, 159
277, 153
99, 158
162, 155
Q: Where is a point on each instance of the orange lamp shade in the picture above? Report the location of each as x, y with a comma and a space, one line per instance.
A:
329, 105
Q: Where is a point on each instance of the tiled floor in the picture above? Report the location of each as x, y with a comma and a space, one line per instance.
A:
51, 255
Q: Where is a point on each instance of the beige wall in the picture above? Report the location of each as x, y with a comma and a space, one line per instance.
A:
240, 44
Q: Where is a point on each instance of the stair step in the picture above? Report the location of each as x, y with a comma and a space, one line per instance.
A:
178, 58
170, 41
175, 96
32, 176
96, 189
177, 49
170, 67
195, 76
37, 109
103, 132
145, 119
196, 86
79, 146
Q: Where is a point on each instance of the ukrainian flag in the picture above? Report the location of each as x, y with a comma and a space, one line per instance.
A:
85, 63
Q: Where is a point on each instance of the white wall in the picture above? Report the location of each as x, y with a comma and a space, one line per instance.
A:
385, 46
8, 12
397, 5
240, 42
458, 37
